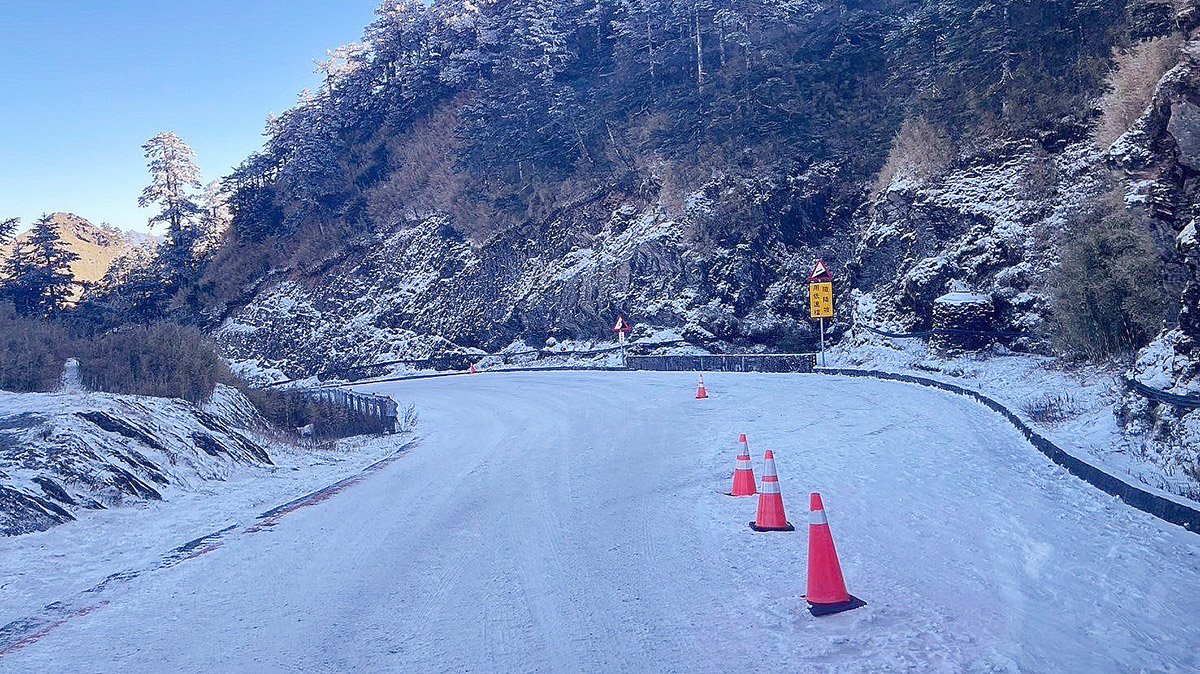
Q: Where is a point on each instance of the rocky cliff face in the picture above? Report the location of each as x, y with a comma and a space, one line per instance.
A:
703, 274
767, 120
985, 225
1162, 151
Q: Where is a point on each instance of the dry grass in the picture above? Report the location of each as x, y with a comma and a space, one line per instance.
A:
1131, 84
919, 150
32, 352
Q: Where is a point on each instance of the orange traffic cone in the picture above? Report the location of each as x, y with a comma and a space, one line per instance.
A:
473, 371
770, 502
743, 474
701, 392
826, 592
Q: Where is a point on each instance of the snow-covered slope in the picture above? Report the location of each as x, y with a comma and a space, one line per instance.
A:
65, 452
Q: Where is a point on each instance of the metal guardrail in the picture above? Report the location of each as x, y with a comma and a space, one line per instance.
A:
1163, 508
1160, 396
366, 411
726, 362
455, 362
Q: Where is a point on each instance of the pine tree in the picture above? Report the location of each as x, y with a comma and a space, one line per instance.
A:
39, 272
174, 175
215, 216
7, 229
305, 141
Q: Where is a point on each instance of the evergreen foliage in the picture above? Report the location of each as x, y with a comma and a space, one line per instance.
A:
549, 97
8, 228
174, 175
39, 272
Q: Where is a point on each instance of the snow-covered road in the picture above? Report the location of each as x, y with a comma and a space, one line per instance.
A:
575, 522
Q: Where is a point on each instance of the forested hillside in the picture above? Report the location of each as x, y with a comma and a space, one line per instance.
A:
498, 114
99, 247
511, 174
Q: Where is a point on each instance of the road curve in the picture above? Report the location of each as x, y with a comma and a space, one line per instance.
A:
574, 522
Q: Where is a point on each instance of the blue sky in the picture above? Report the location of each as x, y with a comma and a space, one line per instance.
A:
86, 82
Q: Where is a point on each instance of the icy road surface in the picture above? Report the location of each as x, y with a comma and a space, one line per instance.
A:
575, 522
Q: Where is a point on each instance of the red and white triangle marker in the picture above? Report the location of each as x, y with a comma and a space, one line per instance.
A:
820, 272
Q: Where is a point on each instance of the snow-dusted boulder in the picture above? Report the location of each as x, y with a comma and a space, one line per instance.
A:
972, 313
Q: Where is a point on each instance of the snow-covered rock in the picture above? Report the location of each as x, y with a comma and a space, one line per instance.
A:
63, 452
709, 273
966, 311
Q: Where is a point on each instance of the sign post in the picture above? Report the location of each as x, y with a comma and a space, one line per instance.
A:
622, 328
820, 298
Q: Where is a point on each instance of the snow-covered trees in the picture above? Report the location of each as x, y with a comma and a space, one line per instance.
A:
304, 143
215, 215
39, 272
551, 95
174, 177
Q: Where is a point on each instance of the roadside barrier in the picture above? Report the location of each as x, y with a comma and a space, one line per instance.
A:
362, 412
442, 366
1160, 396
454, 363
726, 362
1161, 507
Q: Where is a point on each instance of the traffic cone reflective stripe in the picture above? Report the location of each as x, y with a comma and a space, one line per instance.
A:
826, 593
771, 516
769, 466
743, 474
473, 371
701, 392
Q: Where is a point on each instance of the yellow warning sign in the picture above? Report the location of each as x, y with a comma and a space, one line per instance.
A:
820, 300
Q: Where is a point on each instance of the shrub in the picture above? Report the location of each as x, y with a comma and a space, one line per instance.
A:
163, 360
1107, 289
1130, 85
291, 410
32, 352
1051, 408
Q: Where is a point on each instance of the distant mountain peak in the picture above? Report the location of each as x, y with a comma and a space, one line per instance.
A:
98, 246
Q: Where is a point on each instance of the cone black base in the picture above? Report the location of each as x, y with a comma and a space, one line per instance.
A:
830, 609
789, 527
729, 493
